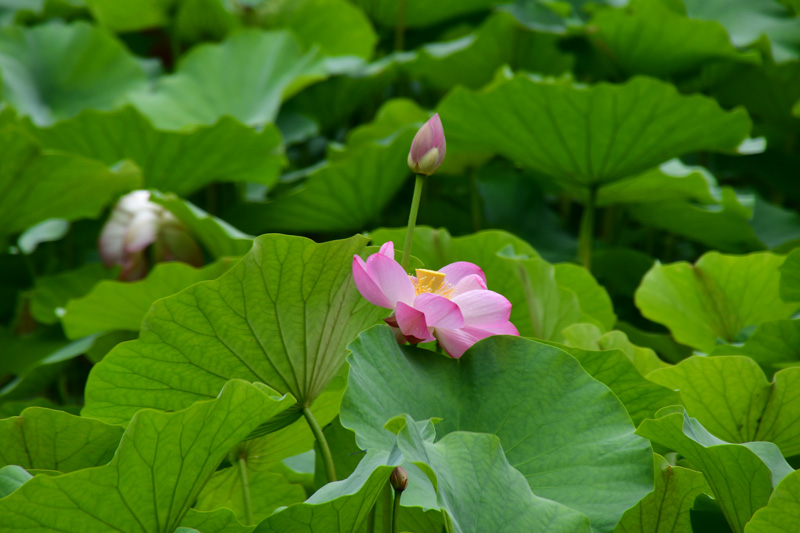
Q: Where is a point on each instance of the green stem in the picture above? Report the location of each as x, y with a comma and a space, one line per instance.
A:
387, 507
412, 220
400, 26
371, 519
327, 458
396, 510
248, 502
586, 235
476, 201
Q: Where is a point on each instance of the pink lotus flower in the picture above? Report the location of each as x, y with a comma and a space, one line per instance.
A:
137, 223
428, 147
451, 305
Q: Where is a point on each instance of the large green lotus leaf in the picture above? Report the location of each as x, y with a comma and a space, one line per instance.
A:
651, 37
733, 400
584, 136
219, 521
11, 478
246, 76
180, 162
45, 439
790, 277
747, 22
545, 298
341, 506
668, 507
131, 15
54, 71
553, 419
36, 185
555, 17
392, 116
282, 316
673, 180
714, 298
344, 194
421, 13
741, 476
773, 345
477, 487
217, 236
118, 305
320, 23
590, 337
782, 513
161, 465
50, 293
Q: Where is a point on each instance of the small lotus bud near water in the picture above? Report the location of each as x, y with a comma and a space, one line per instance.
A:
399, 479
428, 148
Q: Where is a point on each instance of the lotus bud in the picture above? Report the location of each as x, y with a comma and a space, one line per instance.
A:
399, 479
428, 148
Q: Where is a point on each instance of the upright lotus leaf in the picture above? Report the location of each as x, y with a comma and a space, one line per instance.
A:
668, 507
790, 277
733, 400
172, 161
714, 298
747, 22
344, 194
51, 293
674, 181
247, 76
114, 305
341, 506
590, 337
219, 521
741, 476
556, 18
592, 297
563, 430
282, 316
421, 13
36, 185
45, 439
161, 465
11, 478
131, 15
477, 487
651, 37
54, 71
586, 136
320, 23
773, 345
782, 513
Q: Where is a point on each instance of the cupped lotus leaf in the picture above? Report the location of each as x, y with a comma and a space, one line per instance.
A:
118, 305
338, 506
651, 37
668, 507
586, 136
45, 439
218, 237
782, 513
552, 417
282, 316
715, 298
54, 71
246, 76
219, 521
555, 17
421, 13
790, 277
773, 345
11, 478
37, 185
590, 337
477, 487
741, 476
51, 293
733, 400
161, 465
131, 15
393, 116
172, 161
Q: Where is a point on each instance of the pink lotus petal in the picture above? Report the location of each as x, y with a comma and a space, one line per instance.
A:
439, 311
387, 249
498, 328
391, 279
455, 341
423, 142
457, 271
473, 282
366, 286
412, 322
483, 307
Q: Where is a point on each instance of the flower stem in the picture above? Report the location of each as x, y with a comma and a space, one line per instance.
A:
248, 502
400, 25
327, 458
387, 507
586, 235
412, 220
371, 519
396, 510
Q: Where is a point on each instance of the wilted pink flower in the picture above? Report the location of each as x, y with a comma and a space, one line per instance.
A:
428, 148
135, 224
451, 305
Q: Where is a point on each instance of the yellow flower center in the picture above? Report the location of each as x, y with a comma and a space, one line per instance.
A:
432, 281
